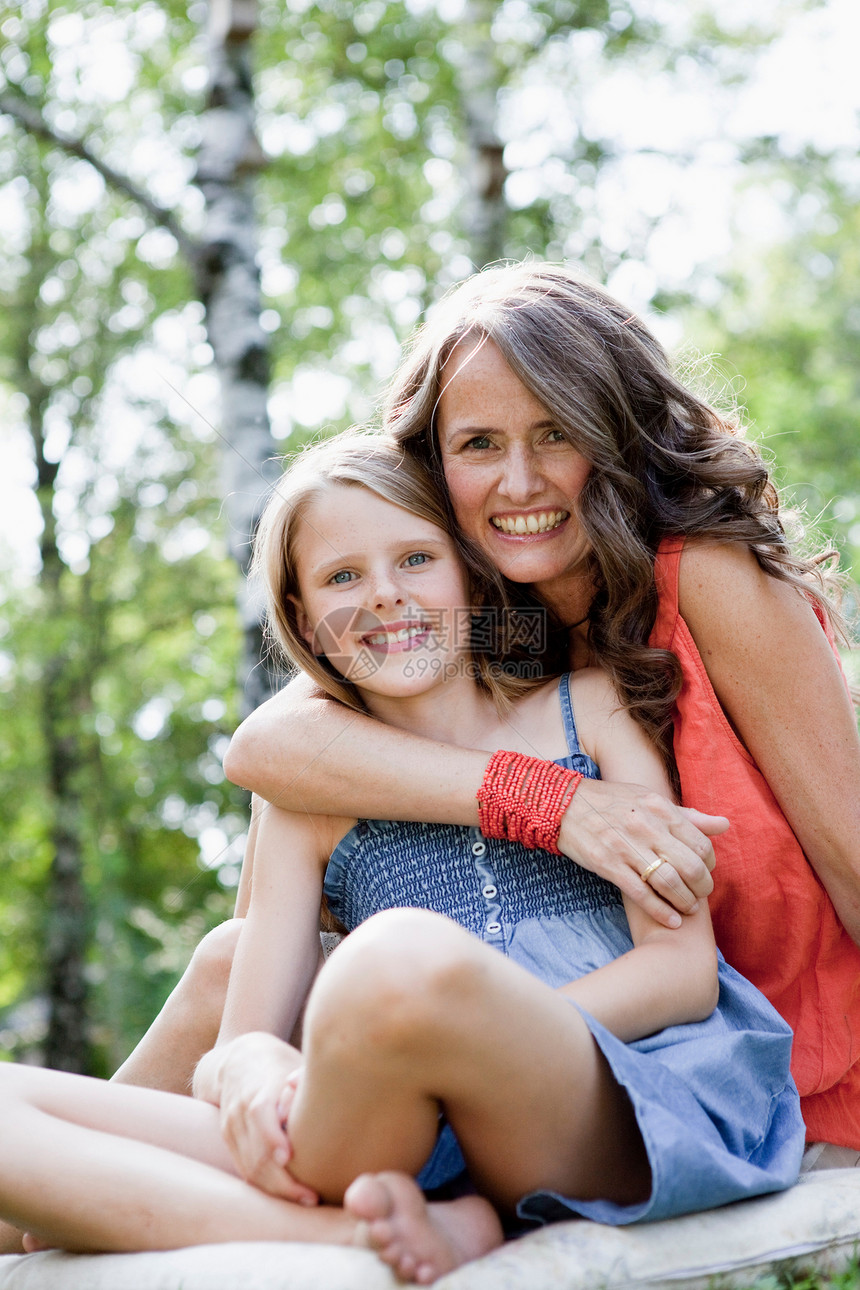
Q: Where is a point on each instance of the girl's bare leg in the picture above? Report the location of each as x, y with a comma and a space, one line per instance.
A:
72, 1177
188, 1024
411, 1014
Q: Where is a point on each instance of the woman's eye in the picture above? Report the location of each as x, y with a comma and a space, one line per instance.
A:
418, 557
342, 576
480, 442
557, 436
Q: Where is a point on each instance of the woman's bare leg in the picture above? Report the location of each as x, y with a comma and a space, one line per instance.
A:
72, 1177
185, 1029
187, 1026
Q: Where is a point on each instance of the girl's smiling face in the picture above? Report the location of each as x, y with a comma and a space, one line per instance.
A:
513, 475
384, 595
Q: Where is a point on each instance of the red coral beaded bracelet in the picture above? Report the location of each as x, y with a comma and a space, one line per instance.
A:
523, 799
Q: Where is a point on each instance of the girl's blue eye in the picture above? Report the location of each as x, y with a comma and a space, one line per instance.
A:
417, 558
342, 576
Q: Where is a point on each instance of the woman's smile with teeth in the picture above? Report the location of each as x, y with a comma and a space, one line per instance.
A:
536, 522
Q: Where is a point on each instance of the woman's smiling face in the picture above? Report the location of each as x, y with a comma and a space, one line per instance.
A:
512, 474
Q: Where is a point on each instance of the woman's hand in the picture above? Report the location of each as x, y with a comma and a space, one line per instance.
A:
619, 830
253, 1081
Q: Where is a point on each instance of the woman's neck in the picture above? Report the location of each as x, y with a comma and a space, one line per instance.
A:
569, 597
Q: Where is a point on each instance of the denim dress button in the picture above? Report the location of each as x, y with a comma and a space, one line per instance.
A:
494, 927
479, 848
489, 892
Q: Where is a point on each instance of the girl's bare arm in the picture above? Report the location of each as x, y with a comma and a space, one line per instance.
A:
669, 977
775, 675
248, 1073
303, 751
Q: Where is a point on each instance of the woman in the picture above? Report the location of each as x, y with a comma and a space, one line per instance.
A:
647, 526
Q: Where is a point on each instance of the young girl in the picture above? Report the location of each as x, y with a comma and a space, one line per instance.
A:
495, 1008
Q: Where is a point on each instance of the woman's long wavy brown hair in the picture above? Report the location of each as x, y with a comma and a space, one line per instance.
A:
664, 462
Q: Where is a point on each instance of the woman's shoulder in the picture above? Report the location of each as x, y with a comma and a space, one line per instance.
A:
698, 577
712, 565
755, 634
723, 590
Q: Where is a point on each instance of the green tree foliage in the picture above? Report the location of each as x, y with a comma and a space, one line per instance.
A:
119, 660
786, 324
380, 123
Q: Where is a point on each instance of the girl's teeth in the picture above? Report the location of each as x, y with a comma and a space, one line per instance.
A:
387, 638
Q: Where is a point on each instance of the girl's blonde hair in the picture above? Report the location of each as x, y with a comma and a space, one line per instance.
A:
363, 459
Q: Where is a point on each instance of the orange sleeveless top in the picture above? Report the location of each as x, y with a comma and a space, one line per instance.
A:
773, 919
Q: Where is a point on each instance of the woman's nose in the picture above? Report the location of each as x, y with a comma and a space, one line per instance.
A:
521, 479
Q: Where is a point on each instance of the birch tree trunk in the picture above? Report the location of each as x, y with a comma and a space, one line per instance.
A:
227, 278
229, 285
485, 216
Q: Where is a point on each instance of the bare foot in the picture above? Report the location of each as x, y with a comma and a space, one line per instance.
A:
418, 1240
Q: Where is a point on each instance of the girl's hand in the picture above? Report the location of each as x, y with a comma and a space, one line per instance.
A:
256, 1083
618, 830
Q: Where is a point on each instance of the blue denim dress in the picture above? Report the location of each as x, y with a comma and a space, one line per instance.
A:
714, 1100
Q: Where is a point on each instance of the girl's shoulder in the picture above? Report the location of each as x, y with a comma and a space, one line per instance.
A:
538, 720
535, 725
593, 685
293, 838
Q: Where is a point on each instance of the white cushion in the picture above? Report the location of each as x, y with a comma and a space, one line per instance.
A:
814, 1225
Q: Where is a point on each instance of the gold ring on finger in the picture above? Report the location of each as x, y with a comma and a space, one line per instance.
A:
653, 867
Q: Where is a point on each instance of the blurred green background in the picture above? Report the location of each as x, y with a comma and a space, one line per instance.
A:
701, 160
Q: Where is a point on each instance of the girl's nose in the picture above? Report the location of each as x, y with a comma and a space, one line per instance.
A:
521, 480
386, 590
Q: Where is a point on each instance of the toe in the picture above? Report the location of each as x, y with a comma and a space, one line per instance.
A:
381, 1232
392, 1254
368, 1198
406, 1267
